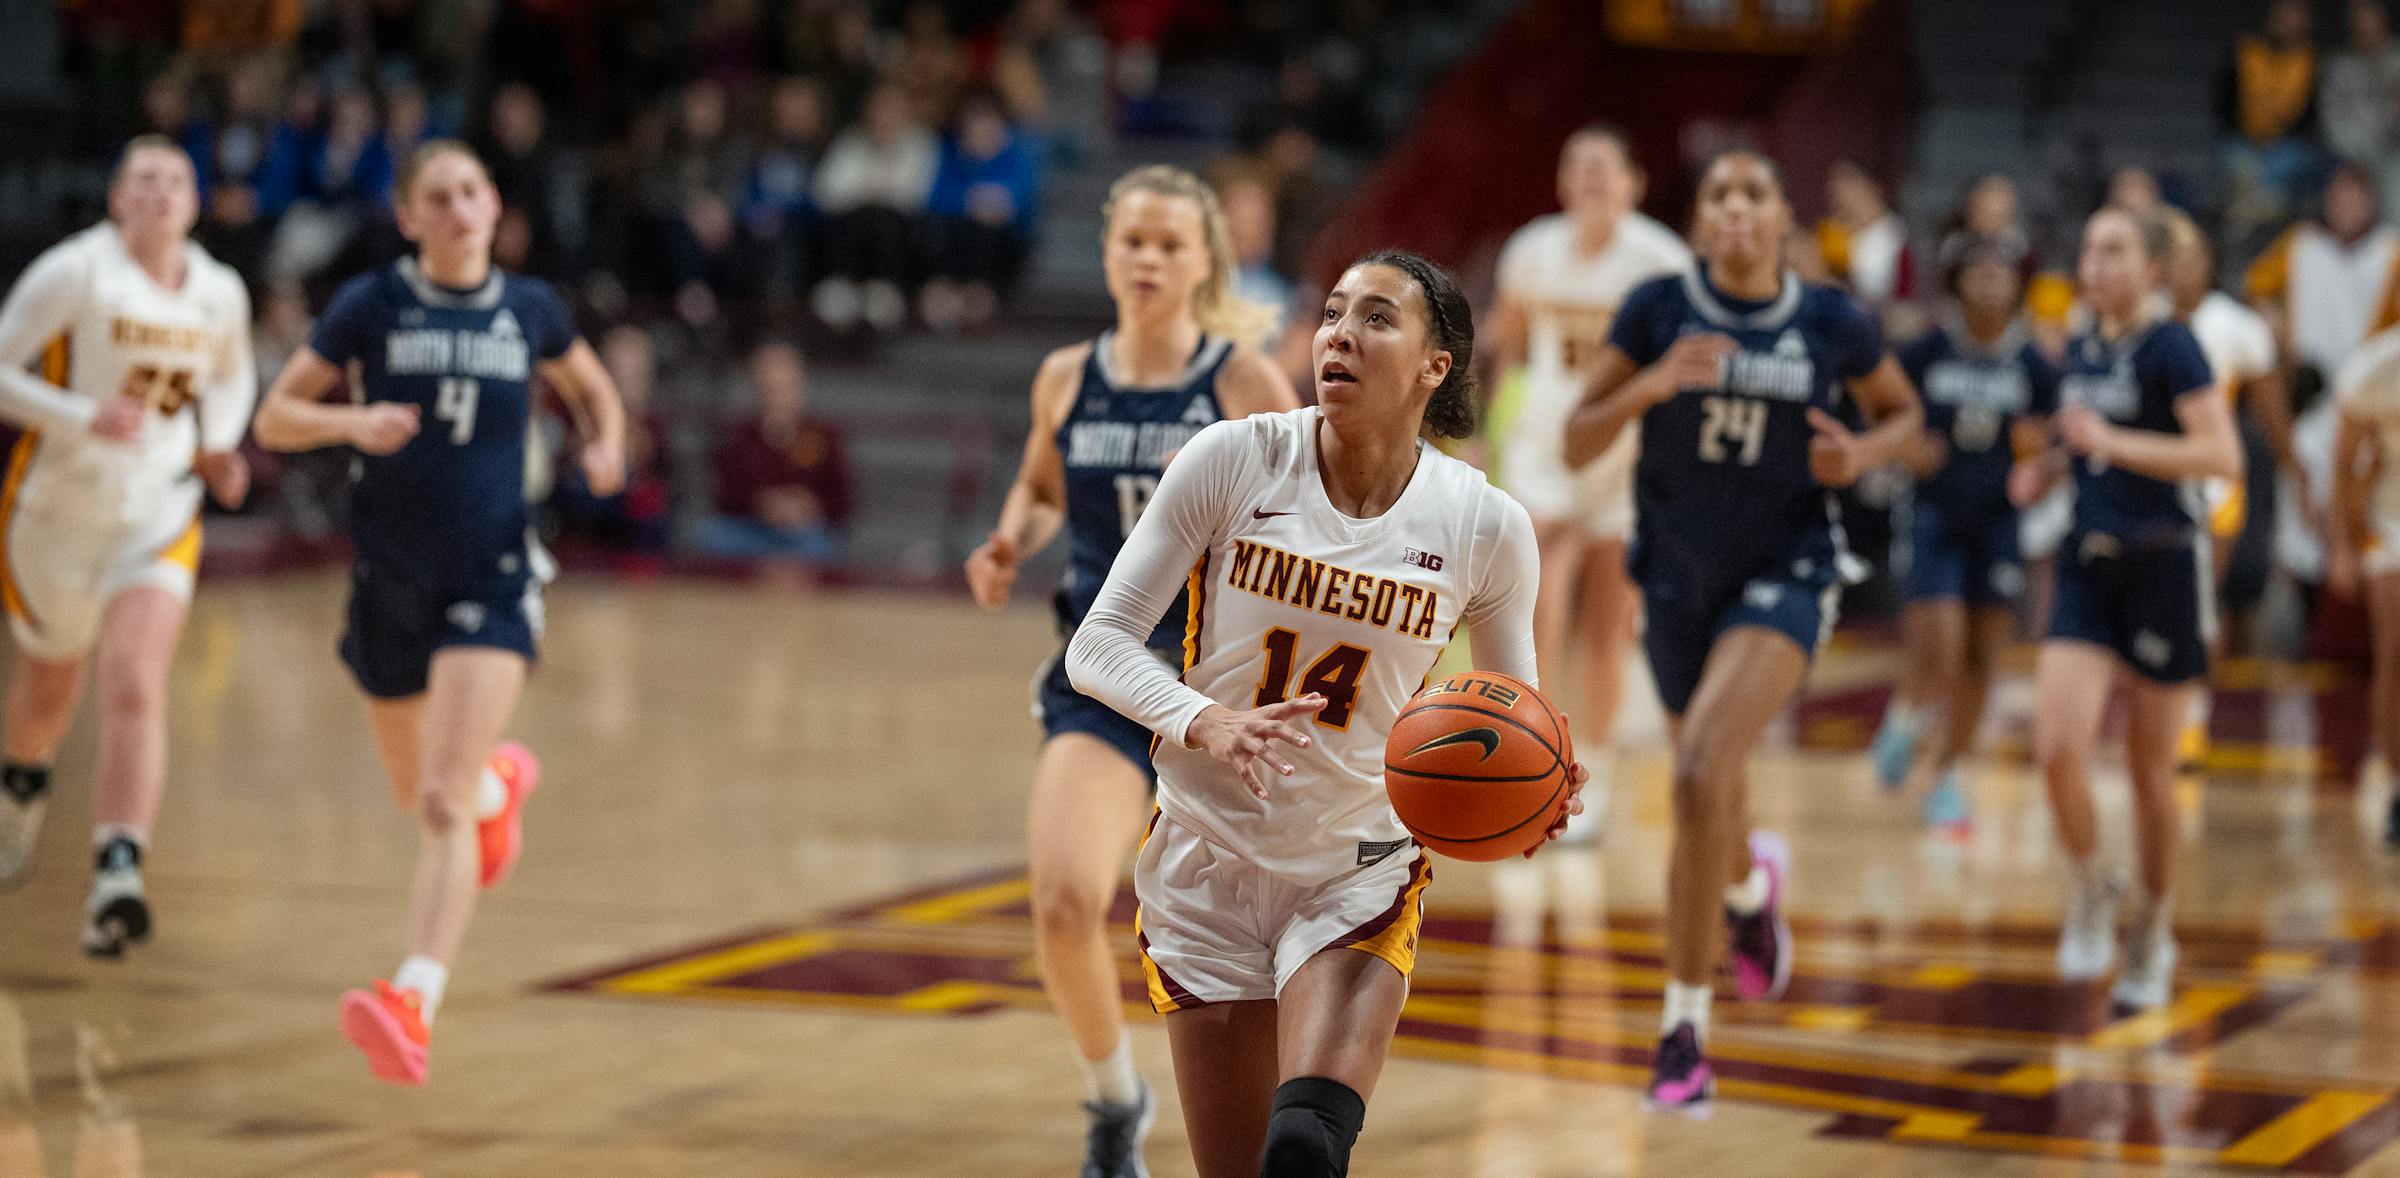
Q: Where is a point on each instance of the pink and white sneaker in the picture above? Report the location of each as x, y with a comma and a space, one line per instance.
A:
1762, 940
1683, 1082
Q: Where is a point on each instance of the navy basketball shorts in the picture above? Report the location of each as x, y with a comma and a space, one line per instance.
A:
397, 625
1062, 709
1972, 560
1678, 633
2151, 606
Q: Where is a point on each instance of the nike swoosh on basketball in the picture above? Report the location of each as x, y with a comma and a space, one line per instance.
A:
1489, 738
1257, 514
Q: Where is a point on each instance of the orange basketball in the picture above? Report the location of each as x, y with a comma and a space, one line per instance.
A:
1477, 766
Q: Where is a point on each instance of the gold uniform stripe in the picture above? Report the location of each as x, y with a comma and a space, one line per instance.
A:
19, 459
2227, 518
1397, 943
184, 550
1196, 592
1154, 981
58, 360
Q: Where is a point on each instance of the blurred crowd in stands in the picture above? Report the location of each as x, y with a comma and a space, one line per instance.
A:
716, 181
2299, 216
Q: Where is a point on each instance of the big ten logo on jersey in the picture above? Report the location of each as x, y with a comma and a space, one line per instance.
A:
1475, 684
1983, 394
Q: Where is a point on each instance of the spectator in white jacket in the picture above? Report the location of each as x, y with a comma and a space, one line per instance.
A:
871, 189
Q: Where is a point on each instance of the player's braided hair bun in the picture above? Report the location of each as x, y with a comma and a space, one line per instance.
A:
1451, 412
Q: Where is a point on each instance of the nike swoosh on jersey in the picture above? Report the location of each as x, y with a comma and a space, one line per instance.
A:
1489, 738
1257, 514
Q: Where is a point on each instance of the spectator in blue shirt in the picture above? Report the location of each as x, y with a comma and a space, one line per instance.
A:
777, 212
982, 213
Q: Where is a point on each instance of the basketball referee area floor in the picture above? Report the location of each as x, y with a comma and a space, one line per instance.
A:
772, 921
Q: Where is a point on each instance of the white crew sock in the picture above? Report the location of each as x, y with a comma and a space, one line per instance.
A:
1687, 1004
427, 977
491, 795
2156, 915
1113, 1080
1899, 716
1750, 895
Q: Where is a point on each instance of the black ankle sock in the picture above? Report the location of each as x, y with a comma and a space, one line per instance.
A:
23, 782
1315, 1123
117, 854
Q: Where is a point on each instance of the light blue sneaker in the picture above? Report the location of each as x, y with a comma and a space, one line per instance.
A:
1895, 749
1946, 807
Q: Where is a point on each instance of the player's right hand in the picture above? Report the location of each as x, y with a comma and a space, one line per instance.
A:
119, 420
383, 427
1247, 740
992, 571
1696, 361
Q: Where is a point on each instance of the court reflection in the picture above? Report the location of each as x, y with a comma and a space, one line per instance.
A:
1549, 991
104, 1143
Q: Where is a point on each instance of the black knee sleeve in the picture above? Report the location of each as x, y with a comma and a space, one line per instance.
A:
1316, 1122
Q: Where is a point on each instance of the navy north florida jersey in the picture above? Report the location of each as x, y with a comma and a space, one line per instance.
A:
1115, 443
1974, 396
449, 507
1722, 488
2134, 382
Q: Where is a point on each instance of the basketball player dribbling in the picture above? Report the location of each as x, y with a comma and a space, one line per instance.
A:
146, 379
1734, 370
1107, 417
445, 602
1560, 281
1328, 554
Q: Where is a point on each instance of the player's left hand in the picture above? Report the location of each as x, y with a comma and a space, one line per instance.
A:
227, 476
1833, 455
604, 467
1577, 775
2085, 431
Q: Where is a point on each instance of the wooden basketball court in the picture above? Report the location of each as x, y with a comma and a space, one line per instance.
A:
771, 921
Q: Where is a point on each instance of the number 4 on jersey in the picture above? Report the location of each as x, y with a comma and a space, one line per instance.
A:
1334, 675
454, 401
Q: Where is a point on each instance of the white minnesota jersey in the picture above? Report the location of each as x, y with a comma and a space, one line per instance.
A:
92, 324
1289, 597
2368, 390
2237, 341
1570, 301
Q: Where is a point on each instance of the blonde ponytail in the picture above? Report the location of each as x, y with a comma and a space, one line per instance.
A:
1219, 310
